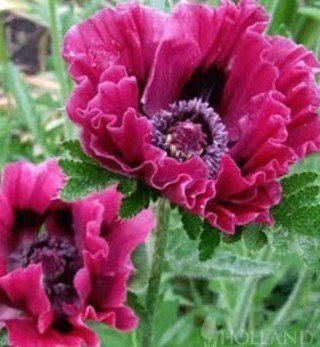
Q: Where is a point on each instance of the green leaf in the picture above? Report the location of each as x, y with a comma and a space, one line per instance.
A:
254, 237
139, 279
135, 202
280, 239
230, 239
192, 224
294, 202
309, 249
296, 182
305, 221
72, 150
300, 197
135, 304
183, 257
83, 178
77, 165
209, 241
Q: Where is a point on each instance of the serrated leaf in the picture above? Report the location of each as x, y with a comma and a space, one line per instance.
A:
305, 221
72, 150
299, 203
230, 239
293, 202
222, 264
85, 178
296, 182
127, 185
135, 202
209, 241
192, 224
183, 258
254, 237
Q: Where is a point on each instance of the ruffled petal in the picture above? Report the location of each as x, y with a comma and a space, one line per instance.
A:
32, 187
127, 35
125, 236
197, 36
23, 333
24, 288
297, 70
6, 224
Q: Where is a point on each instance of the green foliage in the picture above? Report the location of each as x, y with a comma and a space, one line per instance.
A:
85, 176
209, 241
254, 237
138, 281
300, 196
138, 200
198, 229
298, 217
192, 224
309, 249
184, 254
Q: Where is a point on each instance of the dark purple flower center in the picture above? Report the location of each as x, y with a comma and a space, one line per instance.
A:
60, 261
207, 85
191, 128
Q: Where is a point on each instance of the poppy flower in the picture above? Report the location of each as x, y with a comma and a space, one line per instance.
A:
201, 104
62, 263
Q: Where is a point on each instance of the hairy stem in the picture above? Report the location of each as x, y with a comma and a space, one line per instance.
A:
245, 300
284, 316
163, 215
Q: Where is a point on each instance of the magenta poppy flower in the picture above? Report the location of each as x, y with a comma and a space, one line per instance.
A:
61, 264
200, 104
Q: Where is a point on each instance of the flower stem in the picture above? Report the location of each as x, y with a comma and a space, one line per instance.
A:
244, 302
284, 316
163, 215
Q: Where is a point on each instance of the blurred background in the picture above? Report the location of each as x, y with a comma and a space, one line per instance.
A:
247, 294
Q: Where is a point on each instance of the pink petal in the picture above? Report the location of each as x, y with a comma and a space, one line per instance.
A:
27, 186
197, 36
126, 36
24, 333
25, 289
125, 236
